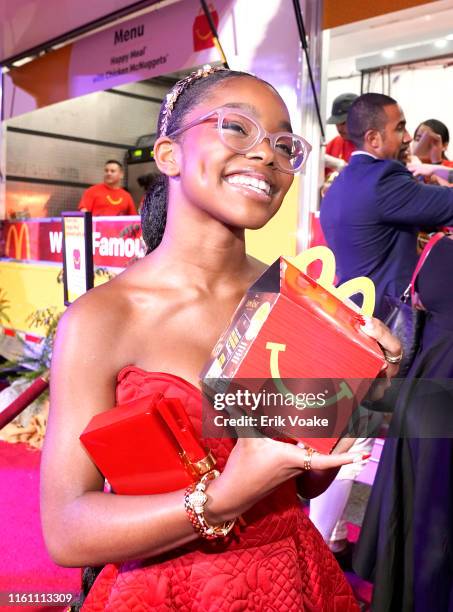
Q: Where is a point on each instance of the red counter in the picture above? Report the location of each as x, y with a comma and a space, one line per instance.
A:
116, 240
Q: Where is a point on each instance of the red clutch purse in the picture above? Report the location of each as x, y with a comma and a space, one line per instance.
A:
147, 446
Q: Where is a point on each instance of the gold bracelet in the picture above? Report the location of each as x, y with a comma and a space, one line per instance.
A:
195, 499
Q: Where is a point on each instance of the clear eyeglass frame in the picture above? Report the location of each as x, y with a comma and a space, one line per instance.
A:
302, 145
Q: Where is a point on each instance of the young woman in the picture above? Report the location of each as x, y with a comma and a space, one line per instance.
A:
431, 140
227, 157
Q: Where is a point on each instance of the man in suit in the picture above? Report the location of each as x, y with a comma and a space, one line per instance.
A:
372, 212
370, 217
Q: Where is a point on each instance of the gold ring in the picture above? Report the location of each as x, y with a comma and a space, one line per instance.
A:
308, 456
394, 359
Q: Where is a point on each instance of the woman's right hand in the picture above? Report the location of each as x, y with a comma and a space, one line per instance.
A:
419, 169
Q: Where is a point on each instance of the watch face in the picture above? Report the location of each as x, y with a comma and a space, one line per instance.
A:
197, 500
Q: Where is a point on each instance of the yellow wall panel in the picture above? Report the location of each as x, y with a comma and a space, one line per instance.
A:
30, 287
279, 236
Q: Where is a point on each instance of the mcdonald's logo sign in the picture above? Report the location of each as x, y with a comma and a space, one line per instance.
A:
202, 35
18, 241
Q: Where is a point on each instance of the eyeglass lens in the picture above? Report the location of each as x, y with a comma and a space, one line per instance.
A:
241, 134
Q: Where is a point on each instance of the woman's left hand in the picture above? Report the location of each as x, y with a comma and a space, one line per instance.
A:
391, 347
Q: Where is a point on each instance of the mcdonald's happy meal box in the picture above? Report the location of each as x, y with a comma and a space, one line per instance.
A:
289, 334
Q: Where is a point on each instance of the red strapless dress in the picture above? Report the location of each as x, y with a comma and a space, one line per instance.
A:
277, 562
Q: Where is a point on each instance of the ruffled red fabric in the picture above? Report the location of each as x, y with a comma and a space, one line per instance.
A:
277, 562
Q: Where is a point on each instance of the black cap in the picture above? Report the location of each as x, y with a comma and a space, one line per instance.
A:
340, 107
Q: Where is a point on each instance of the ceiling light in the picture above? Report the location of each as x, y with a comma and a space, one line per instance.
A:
388, 53
22, 61
441, 43
449, 37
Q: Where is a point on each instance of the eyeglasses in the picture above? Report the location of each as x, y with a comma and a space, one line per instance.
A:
240, 132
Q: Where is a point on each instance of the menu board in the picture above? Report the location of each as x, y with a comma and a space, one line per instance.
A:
78, 274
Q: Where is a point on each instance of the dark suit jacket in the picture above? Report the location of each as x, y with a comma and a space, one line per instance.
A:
370, 217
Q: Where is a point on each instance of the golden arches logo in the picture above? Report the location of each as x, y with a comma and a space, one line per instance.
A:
203, 36
275, 348
114, 202
18, 233
360, 284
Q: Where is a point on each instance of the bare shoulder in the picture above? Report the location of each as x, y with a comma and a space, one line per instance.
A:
99, 307
103, 323
91, 330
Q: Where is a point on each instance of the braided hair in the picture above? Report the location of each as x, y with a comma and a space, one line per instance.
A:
179, 101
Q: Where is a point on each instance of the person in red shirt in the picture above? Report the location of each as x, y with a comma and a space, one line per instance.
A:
108, 198
339, 149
